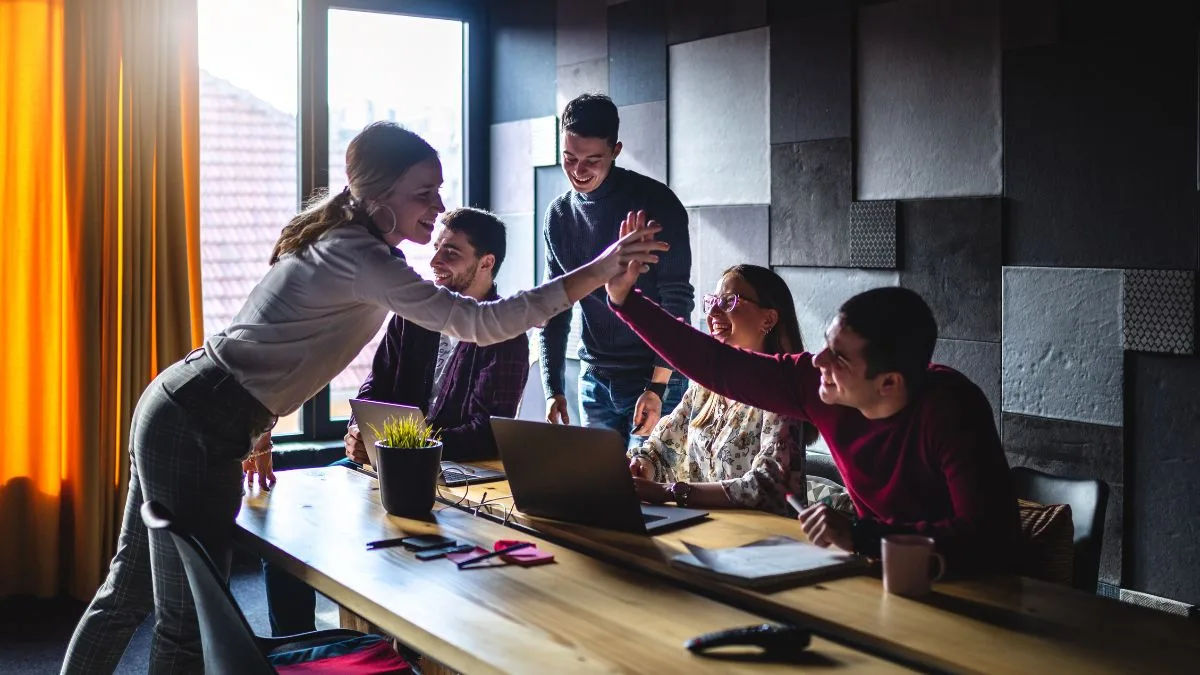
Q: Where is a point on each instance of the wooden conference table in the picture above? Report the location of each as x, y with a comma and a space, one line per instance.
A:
579, 615
1000, 625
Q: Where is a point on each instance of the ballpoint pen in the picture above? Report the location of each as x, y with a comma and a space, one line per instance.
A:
492, 554
385, 543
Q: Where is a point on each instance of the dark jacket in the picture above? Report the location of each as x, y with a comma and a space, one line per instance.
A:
479, 382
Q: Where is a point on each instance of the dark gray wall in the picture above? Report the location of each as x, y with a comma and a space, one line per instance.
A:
1028, 166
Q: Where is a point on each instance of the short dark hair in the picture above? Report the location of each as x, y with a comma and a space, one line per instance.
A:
484, 230
592, 116
899, 330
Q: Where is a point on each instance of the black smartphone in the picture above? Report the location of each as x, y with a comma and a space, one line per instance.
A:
424, 542
435, 553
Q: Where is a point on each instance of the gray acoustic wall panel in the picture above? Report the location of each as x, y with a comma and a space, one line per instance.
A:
549, 183
523, 59
952, 256
637, 52
517, 272
723, 236
543, 141
873, 234
583, 77
811, 72
582, 31
717, 107
1100, 143
644, 139
1159, 311
512, 167
1164, 473
819, 292
810, 203
928, 99
1076, 450
1062, 344
979, 361
689, 20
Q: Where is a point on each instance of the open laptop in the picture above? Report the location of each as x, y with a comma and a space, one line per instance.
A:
579, 475
376, 412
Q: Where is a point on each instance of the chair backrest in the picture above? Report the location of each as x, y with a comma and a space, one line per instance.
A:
230, 646
1088, 500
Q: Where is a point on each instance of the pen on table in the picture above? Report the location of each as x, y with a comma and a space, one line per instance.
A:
384, 543
485, 556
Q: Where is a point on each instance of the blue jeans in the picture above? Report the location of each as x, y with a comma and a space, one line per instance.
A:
607, 399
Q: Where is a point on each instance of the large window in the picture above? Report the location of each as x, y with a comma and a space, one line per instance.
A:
271, 136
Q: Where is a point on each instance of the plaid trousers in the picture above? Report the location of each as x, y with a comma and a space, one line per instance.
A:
192, 427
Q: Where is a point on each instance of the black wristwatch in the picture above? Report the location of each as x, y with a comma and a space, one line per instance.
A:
659, 388
681, 491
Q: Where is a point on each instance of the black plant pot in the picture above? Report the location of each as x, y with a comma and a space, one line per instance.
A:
408, 478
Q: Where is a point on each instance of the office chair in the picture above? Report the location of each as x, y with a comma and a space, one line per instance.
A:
1088, 500
230, 645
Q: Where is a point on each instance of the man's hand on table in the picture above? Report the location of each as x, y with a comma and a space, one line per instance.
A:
826, 527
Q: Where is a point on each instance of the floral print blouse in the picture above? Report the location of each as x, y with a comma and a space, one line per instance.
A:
756, 456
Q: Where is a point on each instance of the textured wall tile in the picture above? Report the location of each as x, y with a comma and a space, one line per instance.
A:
873, 234
723, 236
1029, 23
582, 31
1100, 144
585, 77
1159, 311
811, 70
517, 272
543, 139
689, 20
810, 203
1165, 470
1075, 450
952, 254
644, 139
819, 292
523, 60
718, 120
637, 52
979, 361
549, 183
928, 99
1062, 344
512, 167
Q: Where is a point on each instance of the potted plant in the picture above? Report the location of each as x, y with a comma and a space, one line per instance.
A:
410, 460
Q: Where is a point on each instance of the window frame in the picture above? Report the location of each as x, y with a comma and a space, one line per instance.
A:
312, 127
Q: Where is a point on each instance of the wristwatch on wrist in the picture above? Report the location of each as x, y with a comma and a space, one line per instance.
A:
681, 491
659, 388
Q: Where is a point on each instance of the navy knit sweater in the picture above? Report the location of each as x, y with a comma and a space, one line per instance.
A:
578, 227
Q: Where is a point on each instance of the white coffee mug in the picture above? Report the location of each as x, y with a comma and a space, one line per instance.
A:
906, 564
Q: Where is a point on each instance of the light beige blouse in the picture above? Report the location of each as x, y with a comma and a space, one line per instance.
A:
756, 456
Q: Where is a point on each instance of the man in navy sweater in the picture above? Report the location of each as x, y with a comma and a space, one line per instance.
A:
623, 385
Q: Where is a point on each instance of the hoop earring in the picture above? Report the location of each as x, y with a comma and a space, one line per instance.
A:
391, 213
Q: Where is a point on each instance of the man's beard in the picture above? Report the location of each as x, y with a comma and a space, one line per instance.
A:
460, 284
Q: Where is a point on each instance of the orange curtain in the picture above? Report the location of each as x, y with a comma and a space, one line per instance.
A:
99, 173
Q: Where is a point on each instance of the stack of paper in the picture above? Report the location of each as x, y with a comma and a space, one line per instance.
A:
777, 561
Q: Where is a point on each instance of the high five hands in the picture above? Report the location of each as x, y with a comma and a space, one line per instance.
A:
635, 224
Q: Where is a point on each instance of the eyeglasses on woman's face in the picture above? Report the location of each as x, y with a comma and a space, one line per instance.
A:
726, 302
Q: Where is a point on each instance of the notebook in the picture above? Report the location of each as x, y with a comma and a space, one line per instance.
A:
774, 562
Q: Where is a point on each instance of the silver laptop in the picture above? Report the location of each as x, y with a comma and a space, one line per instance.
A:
376, 413
579, 475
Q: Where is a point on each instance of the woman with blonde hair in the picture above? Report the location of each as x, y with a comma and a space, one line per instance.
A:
714, 452
334, 275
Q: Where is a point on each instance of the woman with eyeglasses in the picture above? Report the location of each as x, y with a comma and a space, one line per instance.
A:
714, 452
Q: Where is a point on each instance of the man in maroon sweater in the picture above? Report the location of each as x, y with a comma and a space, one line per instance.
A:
915, 442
